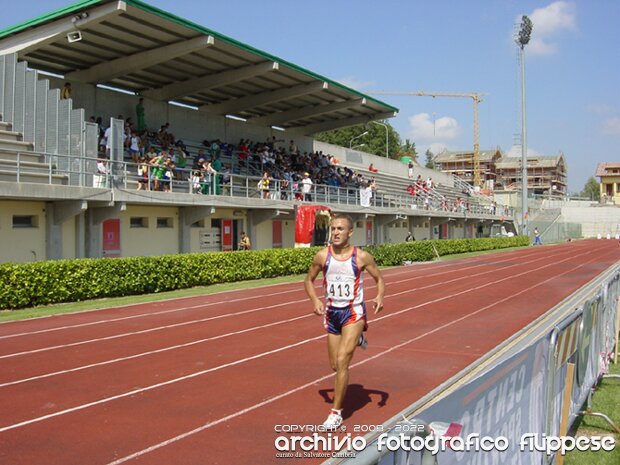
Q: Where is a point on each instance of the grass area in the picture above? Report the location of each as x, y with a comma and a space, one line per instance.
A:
606, 400
475, 254
72, 307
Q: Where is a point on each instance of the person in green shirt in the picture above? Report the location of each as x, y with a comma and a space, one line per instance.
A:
140, 116
216, 163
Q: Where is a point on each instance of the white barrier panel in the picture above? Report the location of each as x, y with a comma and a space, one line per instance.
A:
40, 123
10, 61
30, 114
511, 414
2, 58
19, 104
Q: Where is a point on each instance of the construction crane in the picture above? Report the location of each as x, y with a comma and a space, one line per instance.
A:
475, 96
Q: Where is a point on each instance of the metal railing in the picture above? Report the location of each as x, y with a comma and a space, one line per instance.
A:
109, 174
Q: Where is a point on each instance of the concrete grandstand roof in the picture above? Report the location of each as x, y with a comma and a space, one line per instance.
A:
134, 46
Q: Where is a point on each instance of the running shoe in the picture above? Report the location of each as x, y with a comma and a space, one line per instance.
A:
363, 342
333, 421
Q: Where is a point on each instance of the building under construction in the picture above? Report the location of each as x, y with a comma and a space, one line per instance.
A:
546, 175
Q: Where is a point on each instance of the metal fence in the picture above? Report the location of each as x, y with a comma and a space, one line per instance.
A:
527, 395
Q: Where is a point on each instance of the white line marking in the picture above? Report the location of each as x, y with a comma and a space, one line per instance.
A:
244, 312
318, 380
263, 354
209, 304
178, 346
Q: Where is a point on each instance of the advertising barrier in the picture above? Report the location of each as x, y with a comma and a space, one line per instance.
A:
519, 409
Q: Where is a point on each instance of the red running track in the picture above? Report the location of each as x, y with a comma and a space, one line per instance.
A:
204, 380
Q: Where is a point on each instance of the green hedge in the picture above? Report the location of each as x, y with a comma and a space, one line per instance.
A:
42, 283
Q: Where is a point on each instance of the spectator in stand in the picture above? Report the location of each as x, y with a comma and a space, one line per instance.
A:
199, 159
372, 169
216, 163
150, 154
101, 176
410, 170
169, 169
180, 161
197, 182
411, 190
409, 237
65, 92
158, 170
134, 147
307, 183
284, 187
143, 174
263, 185
292, 148
429, 183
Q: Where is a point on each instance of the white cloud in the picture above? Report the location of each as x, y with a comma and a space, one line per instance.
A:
436, 148
554, 18
422, 129
547, 22
355, 83
611, 126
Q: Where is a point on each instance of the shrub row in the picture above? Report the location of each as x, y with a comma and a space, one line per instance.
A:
42, 283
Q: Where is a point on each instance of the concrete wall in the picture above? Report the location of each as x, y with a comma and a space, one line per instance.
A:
594, 220
358, 159
21, 244
151, 240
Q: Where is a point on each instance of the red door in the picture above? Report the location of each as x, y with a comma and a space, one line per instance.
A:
227, 235
276, 227
444, 231
111, 240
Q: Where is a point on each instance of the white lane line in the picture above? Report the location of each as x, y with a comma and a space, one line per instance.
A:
209, 304
149, 330
157, 351
237, 362
244, 312
322, 378
178, 346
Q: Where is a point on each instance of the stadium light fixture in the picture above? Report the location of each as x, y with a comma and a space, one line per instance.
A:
357, 137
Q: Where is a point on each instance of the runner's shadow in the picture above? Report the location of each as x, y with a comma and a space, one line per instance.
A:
357, 398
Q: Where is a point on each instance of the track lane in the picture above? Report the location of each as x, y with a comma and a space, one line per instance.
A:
299, 356
84, 386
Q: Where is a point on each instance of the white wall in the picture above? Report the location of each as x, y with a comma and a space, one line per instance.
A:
22, 244
352, 159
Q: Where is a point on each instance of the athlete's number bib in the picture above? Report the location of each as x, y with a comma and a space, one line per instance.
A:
340, 290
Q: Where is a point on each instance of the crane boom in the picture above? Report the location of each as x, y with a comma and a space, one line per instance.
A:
475, 96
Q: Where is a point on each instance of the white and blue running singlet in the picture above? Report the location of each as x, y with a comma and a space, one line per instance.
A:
344, 294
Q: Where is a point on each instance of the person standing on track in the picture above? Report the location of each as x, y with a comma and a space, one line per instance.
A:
344, 312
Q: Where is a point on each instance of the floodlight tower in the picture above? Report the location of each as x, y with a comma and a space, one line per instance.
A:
522, 39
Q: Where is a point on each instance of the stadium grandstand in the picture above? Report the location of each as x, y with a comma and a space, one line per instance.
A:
126, 130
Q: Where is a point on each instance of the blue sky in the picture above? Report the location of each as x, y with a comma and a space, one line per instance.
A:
572, 63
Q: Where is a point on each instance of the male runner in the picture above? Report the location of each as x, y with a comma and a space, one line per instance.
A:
344, 311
